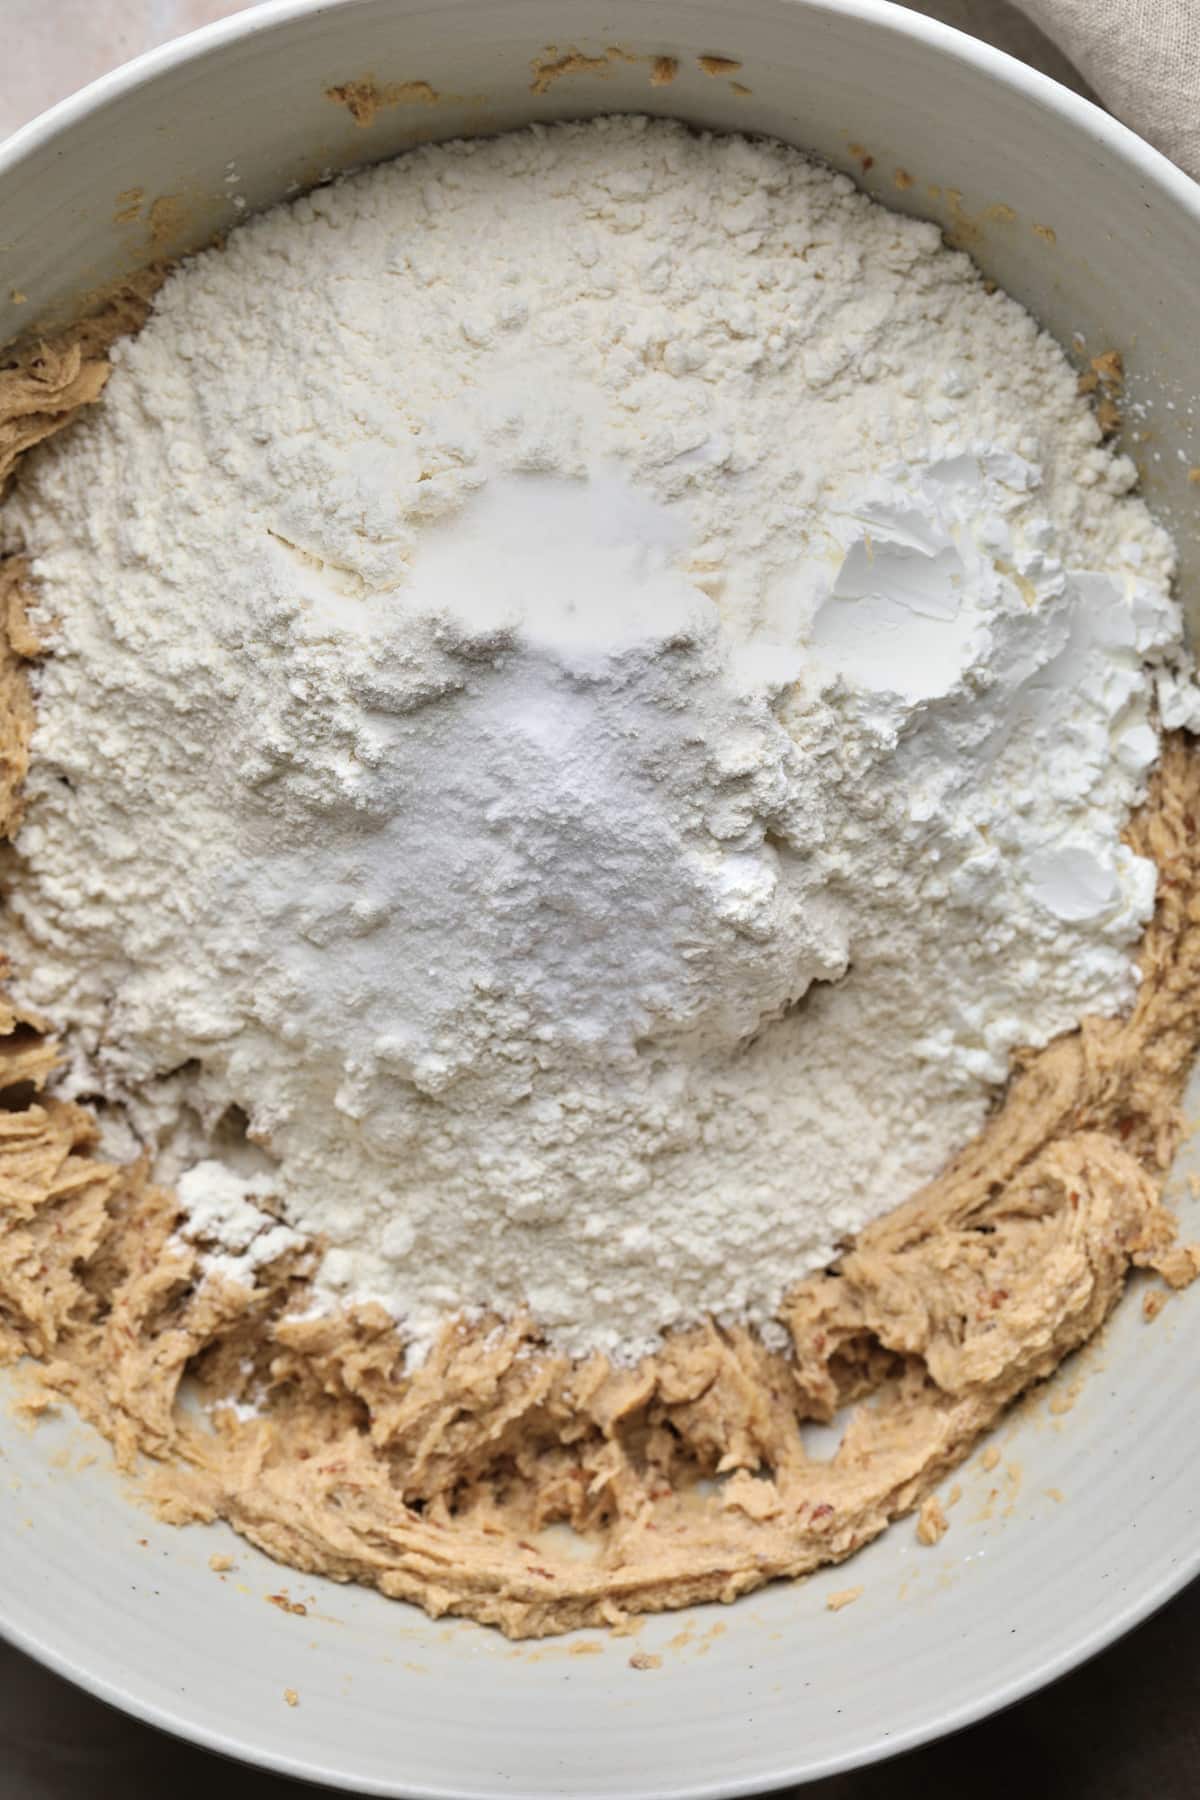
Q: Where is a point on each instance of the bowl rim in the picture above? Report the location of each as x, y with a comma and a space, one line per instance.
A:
264, 15
1154, 168
177, 1723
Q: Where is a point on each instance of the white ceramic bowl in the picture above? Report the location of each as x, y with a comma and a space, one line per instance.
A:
1092, 1515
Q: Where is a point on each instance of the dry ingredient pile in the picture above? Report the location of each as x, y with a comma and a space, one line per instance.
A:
596, 682
593, 688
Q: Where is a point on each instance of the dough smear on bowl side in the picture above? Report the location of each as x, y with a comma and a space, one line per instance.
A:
318, 1433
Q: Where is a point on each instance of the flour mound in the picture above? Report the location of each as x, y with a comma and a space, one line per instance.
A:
595, 683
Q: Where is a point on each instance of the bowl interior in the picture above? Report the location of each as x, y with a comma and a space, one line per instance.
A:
1088, 1521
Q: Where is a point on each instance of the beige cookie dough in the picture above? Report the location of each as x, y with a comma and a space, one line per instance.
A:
43, 383
687, 1478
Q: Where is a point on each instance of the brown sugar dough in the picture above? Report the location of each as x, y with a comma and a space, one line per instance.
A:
44, 384
688, 1475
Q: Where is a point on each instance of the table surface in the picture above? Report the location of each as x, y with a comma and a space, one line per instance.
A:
1125, 1726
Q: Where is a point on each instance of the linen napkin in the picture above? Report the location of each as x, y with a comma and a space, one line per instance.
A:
1142, 57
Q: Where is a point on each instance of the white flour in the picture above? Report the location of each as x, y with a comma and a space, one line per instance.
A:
596, 682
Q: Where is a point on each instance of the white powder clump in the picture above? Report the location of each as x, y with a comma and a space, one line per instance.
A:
595, 682
229, 1210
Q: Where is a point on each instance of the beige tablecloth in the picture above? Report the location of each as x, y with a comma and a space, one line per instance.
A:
1142, 57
